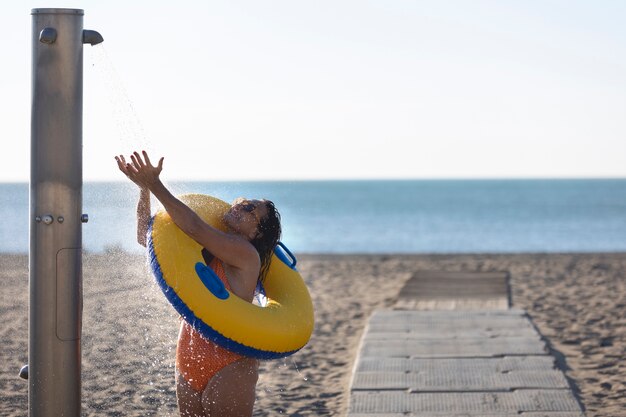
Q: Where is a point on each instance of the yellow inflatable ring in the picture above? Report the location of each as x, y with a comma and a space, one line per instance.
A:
279, 329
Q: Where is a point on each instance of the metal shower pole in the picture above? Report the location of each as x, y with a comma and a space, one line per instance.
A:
56, 180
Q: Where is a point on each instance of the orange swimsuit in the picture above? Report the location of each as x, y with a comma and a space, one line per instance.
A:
199, 359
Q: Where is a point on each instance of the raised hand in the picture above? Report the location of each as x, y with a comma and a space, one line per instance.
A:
140, 170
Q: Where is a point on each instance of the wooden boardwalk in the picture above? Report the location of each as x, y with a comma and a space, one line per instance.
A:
448, 352
440, 290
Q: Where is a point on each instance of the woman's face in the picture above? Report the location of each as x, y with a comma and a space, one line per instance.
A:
244, 216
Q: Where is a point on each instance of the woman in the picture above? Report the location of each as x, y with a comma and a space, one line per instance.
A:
210, 380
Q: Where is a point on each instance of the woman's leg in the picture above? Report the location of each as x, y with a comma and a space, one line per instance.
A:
232, 391
189, 400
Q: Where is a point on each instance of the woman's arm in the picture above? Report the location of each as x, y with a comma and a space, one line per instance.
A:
143, 206
232, 249
143, 216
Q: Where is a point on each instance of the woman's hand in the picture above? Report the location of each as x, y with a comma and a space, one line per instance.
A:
140, 171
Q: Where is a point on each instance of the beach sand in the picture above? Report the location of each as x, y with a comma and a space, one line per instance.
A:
577, 301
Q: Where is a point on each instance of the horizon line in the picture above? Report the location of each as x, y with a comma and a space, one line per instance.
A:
355, 179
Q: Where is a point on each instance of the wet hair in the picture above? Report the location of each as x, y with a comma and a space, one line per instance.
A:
267, 237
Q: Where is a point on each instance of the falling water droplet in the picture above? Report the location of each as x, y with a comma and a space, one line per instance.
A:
297, 370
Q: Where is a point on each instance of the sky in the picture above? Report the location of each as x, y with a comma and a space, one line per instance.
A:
339, 89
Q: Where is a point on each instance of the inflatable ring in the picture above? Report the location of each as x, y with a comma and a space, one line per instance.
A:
280, 328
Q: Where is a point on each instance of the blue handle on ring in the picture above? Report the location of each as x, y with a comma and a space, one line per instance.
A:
211, 281
285, 255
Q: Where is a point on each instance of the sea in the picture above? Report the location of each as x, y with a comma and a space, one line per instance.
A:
377, 216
